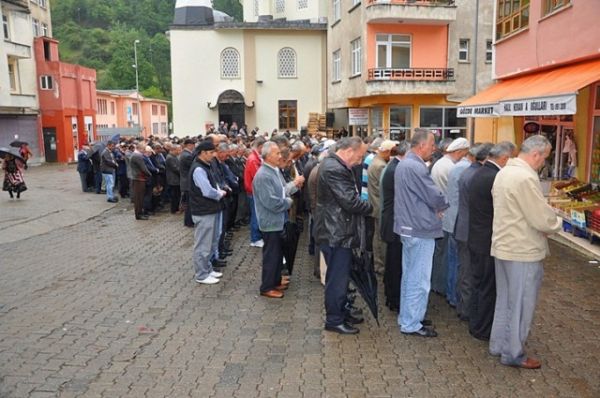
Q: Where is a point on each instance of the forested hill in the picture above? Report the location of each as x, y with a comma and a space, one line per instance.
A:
100, 34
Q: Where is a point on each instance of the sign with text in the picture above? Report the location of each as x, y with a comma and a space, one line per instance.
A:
358, 116
478, 111
549, 106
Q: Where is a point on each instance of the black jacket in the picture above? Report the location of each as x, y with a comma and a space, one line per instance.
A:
387, 203
461, 227
338, 205
199, 204
481, 208
185, 163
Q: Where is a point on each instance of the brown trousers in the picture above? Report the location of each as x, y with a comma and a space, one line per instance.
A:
138, 197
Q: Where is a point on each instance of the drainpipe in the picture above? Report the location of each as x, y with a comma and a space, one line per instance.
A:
475, 63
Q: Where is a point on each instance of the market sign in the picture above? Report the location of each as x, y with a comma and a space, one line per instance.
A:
478, 111
549, 106
358, 116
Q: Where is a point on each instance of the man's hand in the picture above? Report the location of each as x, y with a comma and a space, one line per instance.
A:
440, 214
299, 181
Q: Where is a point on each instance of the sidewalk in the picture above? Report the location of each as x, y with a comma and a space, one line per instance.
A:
53, 200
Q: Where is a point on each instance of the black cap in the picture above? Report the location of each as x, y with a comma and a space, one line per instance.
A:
205, 145
188, 141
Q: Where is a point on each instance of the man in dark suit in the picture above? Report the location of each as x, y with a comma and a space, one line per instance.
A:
173, 179
464, 284
481, 216
185, 163
393, 255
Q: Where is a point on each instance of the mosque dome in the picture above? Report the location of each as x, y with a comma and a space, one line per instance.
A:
193, 12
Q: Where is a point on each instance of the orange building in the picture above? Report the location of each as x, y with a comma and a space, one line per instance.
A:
67, 95
118, 113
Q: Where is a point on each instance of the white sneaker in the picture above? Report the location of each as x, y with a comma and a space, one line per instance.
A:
258, 243
216, 274
209, 280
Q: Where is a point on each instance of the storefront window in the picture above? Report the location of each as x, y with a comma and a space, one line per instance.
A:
443, 121
400, 122
377, 120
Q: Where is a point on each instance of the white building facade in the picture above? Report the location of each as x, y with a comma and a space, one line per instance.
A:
265, 72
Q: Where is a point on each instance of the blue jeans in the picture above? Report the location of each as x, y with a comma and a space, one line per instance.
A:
109, 181
453, 265
417, 261
255, 234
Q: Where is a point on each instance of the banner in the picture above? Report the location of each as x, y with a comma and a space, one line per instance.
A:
545, 106
358, 116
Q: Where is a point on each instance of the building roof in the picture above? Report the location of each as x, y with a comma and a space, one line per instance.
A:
277, 24
131, 94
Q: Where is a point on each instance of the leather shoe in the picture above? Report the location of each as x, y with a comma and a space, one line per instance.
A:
529, 363
281, 287
423, 332
272, 294
342, 329
353, 320
219, 263
141, 217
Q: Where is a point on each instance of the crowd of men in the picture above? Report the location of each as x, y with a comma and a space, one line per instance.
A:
467, 221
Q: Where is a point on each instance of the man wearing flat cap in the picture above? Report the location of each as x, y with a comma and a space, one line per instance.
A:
205, 201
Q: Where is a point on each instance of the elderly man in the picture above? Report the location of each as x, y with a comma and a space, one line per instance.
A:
418, 207
205, 206
522, 221
481, 215
336, 218
172, 176
271, 204
373, 183
185, 163
139, 175
109, 165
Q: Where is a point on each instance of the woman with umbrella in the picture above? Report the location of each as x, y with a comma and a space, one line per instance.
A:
13, 166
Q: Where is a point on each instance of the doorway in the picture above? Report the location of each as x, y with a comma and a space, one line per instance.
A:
50, 150
230, 113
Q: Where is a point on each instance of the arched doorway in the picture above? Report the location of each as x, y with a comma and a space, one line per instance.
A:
231, 107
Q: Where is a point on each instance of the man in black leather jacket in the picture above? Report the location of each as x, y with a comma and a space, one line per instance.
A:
336, 217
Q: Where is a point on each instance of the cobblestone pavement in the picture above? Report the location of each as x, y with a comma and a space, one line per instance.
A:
108, 308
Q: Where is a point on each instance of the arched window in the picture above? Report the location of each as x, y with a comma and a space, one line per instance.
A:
286, 60
230, 63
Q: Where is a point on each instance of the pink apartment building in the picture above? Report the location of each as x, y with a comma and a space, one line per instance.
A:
121, 112
547, 58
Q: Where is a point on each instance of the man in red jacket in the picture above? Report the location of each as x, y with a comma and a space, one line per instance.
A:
252, 165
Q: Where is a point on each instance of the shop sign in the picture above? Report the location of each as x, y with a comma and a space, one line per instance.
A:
548, 106
478, 111
358, 116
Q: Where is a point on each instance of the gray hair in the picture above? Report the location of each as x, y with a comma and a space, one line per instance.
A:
298, 146
536, 143
420, 135
501, 149
483, 151
266, 149
402, 148
258, 141
222, 147
233, 147
348, 142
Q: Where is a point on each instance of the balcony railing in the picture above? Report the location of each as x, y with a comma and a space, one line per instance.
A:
412, 74
426, 3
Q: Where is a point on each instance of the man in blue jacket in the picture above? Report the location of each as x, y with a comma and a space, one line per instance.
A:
418, 207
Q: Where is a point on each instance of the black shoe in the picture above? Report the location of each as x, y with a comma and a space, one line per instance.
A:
219, 263
142, 217
113, 200
342, 329
353, 320
423, 332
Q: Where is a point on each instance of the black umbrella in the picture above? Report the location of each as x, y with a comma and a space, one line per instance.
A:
18, 144
362, 274
98, 147
8, 151
290, 237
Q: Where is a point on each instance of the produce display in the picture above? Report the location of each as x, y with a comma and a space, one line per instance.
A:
578, 203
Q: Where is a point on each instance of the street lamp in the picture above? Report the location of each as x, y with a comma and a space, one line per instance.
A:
137, 83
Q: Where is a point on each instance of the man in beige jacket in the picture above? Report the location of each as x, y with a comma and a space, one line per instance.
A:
522, 221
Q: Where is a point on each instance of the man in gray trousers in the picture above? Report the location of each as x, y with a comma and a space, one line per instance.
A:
522, 221
205, 205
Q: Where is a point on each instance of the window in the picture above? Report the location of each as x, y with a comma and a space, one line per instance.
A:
13, 74
286, 62
230, 63
163, 110
112, 107
5, 26
43, 3
549, 6
489, 51
377, 119
46, 82
280, 6
302, 4
154, 110
463, 50
47, 52
443, 120
44, 29
102, 107
513, 15
288, 111
134, 108
336, 65
36, 27
400, 122
356, 50
154, 128
355, 2
336, 10
393, 51
163, 128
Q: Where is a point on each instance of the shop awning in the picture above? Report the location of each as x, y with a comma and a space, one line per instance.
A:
550, 92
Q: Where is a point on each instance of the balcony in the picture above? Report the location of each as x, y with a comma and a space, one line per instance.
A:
411, 80
439, 12
17, 50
